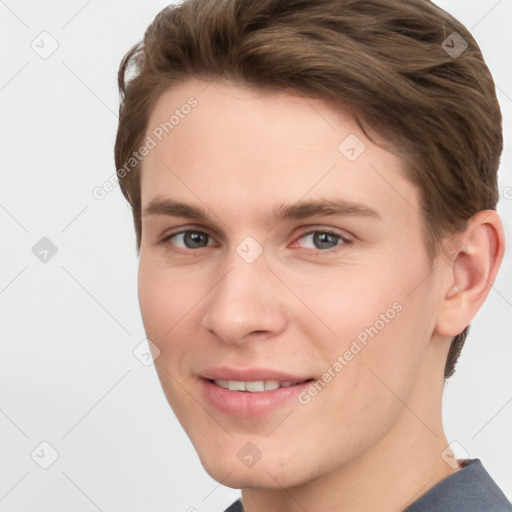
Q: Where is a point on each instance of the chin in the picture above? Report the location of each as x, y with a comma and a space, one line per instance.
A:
267, 473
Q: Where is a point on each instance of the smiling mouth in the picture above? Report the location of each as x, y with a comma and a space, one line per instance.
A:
257, 386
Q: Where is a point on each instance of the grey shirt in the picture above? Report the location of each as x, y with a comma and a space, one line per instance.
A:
471, 489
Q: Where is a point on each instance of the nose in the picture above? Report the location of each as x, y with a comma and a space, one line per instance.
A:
245, 304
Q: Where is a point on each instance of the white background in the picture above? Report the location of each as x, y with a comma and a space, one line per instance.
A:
69, 326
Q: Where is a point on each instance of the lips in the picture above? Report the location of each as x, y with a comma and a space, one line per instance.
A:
250, 392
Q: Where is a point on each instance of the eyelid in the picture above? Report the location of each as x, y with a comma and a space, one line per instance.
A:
183, 229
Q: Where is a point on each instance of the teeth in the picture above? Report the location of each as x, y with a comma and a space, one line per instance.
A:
271, 384
236, 385
253, 386
256, 386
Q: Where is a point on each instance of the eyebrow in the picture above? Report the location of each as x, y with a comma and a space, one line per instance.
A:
299, 210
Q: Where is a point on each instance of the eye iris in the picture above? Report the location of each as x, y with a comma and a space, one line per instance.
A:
194, 239
325, 240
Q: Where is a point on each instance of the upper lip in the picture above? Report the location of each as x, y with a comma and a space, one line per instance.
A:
250, 374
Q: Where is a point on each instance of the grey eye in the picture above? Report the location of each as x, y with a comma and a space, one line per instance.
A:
190, 239
320, 240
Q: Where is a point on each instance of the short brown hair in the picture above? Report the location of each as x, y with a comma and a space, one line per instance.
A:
402, 68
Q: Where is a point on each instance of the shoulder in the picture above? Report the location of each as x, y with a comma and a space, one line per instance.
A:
471, 489
235, 507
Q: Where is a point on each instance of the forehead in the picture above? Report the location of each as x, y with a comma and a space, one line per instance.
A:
242, 149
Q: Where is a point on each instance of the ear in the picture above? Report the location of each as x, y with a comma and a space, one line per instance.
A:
472, 260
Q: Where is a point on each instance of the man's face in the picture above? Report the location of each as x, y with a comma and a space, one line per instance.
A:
307, 269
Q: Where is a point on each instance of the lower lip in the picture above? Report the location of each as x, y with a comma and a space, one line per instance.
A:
246, 404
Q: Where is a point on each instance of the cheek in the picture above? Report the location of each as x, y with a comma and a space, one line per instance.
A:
170, 301
155, 301
166, 304
166, 297
382, 323
163, 305
354, 306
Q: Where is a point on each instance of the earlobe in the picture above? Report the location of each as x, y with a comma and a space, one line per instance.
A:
474, 260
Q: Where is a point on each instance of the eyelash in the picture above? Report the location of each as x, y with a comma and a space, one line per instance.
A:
187, 251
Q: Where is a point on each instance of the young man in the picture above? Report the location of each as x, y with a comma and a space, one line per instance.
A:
313, 186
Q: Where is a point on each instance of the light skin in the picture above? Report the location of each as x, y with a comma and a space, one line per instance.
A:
372, 438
